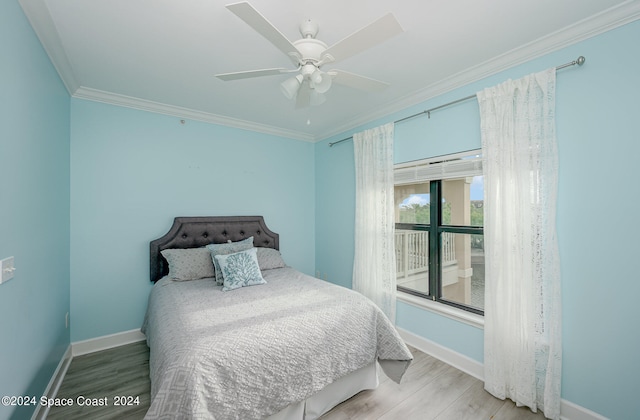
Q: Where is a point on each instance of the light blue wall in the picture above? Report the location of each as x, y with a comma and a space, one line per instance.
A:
34, 211
92, 185
133, 171
598, 133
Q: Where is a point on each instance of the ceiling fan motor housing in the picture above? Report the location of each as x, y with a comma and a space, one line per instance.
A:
310, 49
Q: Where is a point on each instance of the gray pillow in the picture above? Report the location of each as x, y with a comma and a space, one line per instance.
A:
226, 249
269, 258
189, 264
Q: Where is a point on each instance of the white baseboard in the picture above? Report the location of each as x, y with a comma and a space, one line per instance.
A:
450, 357
568, 410
571, 411
41, 412
105, 342
77, 349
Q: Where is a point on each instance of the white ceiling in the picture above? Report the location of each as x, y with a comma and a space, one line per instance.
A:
162, 55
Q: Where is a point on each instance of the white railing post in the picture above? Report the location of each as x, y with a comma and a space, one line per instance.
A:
405, 252
413, 247
448, 248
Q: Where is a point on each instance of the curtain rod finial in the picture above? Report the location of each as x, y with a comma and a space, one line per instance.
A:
580, 61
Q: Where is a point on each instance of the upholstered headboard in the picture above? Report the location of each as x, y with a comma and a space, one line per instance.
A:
194, 232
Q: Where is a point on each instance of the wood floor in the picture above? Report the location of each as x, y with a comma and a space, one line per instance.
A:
114, 373
430, 389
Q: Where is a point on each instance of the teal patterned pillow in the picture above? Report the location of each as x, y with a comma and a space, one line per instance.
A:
225, 249
240, 269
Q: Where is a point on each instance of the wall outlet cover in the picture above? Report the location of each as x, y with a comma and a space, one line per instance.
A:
7, 269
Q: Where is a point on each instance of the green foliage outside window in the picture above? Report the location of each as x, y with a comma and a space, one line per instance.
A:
416, 213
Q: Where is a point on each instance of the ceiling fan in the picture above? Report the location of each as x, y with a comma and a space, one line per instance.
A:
310, 55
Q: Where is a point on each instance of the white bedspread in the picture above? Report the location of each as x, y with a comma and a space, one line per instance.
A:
248, 353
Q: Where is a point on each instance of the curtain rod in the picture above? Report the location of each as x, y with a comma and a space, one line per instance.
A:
579, 61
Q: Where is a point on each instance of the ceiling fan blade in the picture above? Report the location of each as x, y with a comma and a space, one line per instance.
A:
367, 37
317, 98
260, 24
252, 73
356, 81
303, 99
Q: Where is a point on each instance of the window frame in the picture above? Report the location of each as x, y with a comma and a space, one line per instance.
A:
436, 228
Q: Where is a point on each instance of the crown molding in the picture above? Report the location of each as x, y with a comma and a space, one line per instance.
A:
39, 17
607, 20
187, 113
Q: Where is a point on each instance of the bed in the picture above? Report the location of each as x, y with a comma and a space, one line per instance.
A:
288, 346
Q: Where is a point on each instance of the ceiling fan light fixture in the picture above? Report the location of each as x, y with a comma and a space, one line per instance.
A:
321, 81
291, 86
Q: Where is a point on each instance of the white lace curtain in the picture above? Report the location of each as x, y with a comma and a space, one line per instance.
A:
522, 350
374, 267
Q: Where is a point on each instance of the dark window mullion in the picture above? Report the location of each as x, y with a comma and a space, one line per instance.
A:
435, 273
462, 306
471, 230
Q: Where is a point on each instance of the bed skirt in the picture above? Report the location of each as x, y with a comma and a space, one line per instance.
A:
332, 395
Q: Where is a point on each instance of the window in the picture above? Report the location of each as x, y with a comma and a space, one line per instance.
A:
439, 230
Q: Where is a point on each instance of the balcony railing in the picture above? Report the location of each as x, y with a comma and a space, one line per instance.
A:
412, 252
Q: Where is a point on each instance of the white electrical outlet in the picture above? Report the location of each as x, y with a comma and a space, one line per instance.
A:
7, 269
